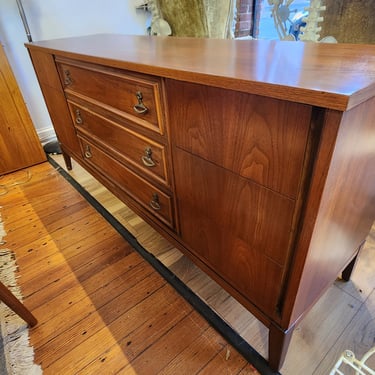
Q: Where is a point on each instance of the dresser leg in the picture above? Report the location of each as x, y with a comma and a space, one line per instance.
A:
278, 343
67, 160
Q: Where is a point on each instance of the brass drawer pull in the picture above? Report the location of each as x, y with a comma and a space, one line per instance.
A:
140, 108
79, 119
67, 78
147, 158
155, 204
88, 153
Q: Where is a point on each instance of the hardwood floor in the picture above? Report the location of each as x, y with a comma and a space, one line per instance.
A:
102, 309
83, 272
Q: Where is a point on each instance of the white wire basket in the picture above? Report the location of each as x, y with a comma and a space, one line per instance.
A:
359, 366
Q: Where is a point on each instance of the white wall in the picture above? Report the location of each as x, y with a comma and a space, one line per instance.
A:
49, 19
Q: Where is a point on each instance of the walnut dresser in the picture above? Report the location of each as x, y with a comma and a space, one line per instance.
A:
255, 158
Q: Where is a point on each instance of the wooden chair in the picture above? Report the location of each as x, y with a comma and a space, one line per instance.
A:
13, 303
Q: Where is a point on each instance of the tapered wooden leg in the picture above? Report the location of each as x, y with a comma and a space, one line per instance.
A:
67, 160
278, 343
12, 302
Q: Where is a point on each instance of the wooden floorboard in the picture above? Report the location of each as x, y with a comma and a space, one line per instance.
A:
101, 307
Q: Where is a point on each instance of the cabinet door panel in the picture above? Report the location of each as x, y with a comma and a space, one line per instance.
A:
260, 138
240, 229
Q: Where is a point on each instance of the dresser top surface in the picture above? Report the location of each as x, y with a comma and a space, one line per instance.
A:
336, 76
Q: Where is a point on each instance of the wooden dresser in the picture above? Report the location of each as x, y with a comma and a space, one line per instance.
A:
255, 158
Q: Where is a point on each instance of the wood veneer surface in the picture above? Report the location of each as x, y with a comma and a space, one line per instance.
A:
19, 143
336, 76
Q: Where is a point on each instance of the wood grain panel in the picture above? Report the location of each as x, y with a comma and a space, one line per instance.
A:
45, 68
114, 89
139, 189
337, 76
19, 143
240, 229
59, 112
260, 138
49, 81
122, 142
346, 204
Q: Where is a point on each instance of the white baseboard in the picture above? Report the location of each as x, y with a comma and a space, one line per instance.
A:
46, 134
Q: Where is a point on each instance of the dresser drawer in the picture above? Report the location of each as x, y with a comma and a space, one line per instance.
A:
147, 195
261, 217
140, 152
240, 229
260, 138
136, 97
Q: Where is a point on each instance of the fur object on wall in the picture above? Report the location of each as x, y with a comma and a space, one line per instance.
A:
194, 18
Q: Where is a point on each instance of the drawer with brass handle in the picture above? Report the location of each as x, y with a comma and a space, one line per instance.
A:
142, 153
134, 97
259, 138
150, 197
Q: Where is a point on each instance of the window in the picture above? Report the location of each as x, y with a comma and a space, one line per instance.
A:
278, 22
257, 18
